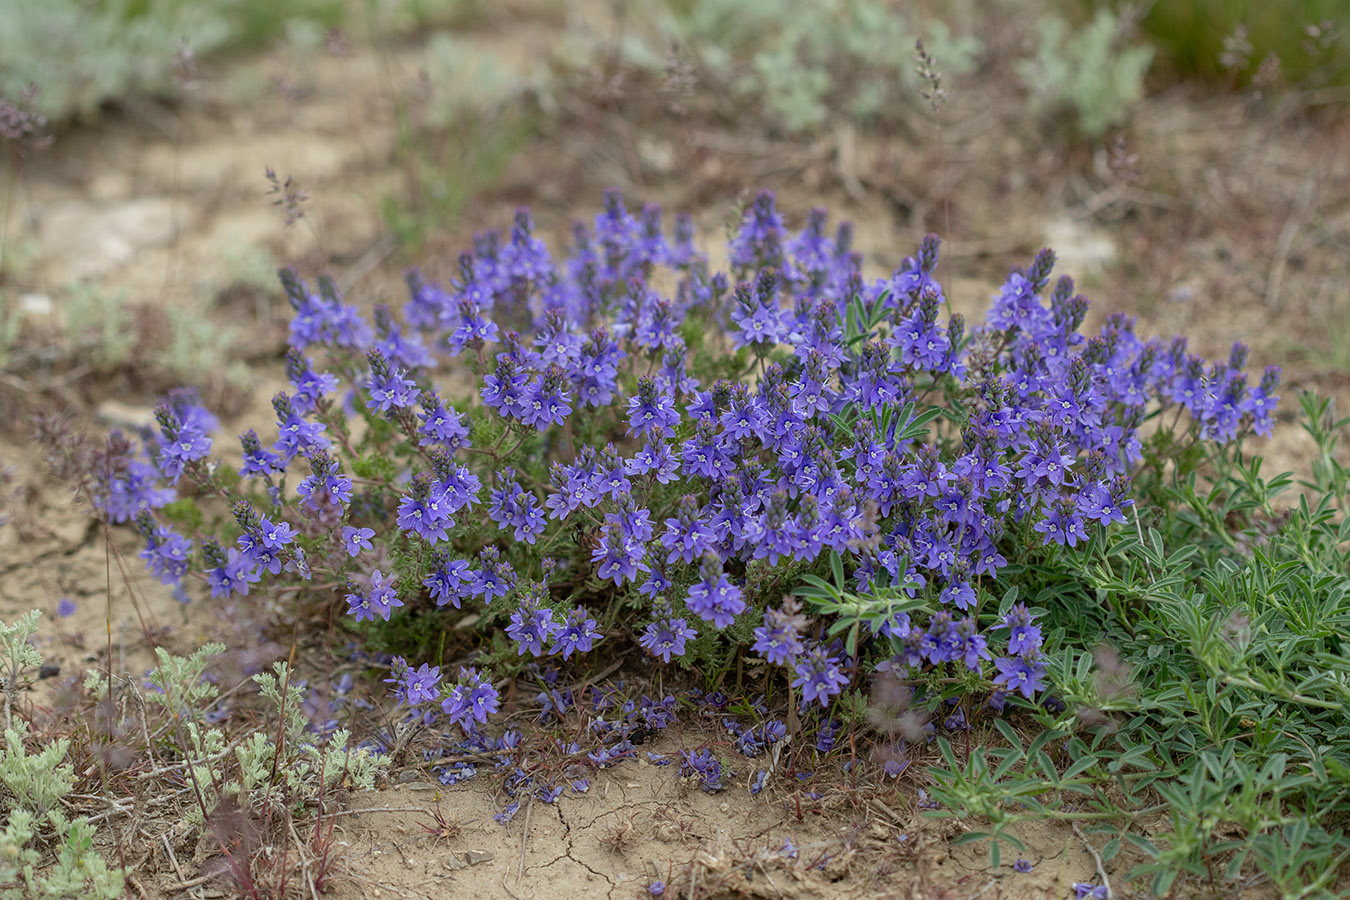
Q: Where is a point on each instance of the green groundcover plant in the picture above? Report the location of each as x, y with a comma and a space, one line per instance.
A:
826, 479
33, 784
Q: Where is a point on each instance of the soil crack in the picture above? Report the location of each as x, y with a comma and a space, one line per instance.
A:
568, 834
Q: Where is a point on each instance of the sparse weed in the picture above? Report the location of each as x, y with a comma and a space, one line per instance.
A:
455, 136
620, 835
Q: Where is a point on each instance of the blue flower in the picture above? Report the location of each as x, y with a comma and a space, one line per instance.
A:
421, 685
295, 435
546, 400
227, 572
387, 387
323, 318
448, 580
494, 578
617, 556
706, 766
652, 411
513, 507
310, 386
778, 639
441, 426
424, 511
166, 551
357, 539
1020, 674
326, 491
470, 700
186, 446
687, 535
759, 243
1023, 636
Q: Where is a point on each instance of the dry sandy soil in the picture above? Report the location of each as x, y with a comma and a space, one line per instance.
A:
1224, 218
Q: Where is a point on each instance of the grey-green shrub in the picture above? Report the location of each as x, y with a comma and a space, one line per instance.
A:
1088, 74
802, 59
297, 770
81, 54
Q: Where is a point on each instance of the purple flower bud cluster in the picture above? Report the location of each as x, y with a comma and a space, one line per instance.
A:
841, 420
184, 427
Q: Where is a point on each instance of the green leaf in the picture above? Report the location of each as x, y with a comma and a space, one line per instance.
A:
837, 568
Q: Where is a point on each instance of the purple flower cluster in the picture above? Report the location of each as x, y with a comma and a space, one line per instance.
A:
166, 552
468, 702
819, 675
1020, 670
378, 599
687, 500
184, 427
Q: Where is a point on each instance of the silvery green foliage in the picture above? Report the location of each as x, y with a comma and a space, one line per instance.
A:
79, 872
300, 770
80, 55
34, 785
18, 654
465, 80
808, 57
37, 782
1087, 72
179, 679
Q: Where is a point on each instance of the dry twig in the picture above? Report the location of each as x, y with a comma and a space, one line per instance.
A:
1096, 858
1283, 246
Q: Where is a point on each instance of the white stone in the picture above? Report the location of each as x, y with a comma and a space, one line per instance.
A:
1080, 247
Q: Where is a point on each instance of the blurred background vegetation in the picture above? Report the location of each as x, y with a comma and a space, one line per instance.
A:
1301, 43
82, 54
803, 58
420, 109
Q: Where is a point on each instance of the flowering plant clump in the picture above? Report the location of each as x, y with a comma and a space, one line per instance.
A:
659, 454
